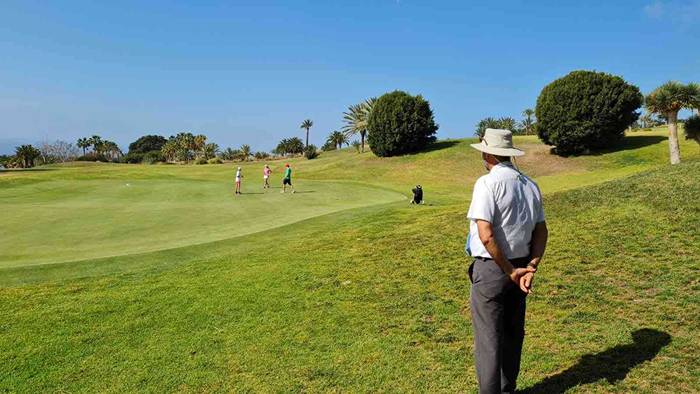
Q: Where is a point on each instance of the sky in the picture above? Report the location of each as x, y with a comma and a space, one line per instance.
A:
251, 72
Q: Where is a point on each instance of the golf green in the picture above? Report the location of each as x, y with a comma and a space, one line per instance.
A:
76, 219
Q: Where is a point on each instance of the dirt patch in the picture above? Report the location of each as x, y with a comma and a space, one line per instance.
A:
538, 161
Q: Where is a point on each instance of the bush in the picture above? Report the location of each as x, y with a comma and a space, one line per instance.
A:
152, 157
400, 123
200, 160
586, 110
357, 145
215, 160
132, 158
311, 152
692, 128
93, 157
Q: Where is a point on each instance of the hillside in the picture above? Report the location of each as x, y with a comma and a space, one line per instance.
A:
372, 297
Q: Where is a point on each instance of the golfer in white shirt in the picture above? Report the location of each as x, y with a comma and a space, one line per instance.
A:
507, 238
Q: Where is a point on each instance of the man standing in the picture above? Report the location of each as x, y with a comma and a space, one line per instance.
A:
507, 237
287, 180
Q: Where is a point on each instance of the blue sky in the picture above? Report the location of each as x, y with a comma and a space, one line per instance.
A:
250, 72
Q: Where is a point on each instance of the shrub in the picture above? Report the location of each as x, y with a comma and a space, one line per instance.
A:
692, 128
200, 160
357, 145
586, 110
400, 123
152, 157
215, 160
93, 157
132, 158
311, 152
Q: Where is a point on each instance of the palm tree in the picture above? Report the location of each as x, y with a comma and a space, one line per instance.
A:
198, 144
96, 142
527, 122
169, 149
84, 143
26, 154
356, 118
245, 152
210, 150
307, 124
337, 139
667, 100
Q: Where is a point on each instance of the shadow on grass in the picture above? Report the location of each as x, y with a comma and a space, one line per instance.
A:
439, 145
612, 365
632, 142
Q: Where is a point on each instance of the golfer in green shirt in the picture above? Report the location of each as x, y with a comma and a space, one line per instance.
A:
287, 180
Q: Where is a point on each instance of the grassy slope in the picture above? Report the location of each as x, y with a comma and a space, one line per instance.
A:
376, 298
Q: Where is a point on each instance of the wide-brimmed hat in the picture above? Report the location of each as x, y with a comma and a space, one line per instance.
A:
498, 142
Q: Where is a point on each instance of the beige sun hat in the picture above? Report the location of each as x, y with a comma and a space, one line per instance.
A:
498, 142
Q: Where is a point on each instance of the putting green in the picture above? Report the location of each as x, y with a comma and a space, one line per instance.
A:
56, 218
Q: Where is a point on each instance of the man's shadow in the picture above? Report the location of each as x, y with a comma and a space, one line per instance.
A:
612, 364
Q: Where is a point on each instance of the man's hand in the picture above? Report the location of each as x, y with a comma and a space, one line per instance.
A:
518, 273
526, 282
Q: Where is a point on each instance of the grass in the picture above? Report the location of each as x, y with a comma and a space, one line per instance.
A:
374, 297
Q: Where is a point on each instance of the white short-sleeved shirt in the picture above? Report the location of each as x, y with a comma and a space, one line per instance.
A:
512, 203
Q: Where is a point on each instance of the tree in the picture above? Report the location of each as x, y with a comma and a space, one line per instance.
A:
245, 152
667, 100
528, 122
400, 123
198, 143
84, 143
57, 151
230, 154
169, 150
356, 117
586, 110
290, 146
210, 150
311, 152
337, 139
110, 149
507, 123
307, 124
96, 143
147, 143
692, 128
26, 154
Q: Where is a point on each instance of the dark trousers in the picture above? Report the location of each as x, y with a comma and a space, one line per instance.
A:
498, 317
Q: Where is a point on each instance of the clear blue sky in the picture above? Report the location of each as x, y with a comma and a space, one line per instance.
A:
251, 72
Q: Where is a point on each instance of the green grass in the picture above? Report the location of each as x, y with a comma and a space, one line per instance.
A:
369, 298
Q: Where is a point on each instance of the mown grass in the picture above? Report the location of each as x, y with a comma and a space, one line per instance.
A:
376, 298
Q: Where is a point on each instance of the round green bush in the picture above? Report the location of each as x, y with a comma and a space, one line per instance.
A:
200, 160
586, 110
400, 123
311, 152
215, 160
153, 157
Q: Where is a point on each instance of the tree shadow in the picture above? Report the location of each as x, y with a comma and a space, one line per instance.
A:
630, 142
437, 145
612, 364
7, 170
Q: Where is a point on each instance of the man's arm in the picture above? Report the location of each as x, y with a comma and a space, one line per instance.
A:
488, 239
538, 243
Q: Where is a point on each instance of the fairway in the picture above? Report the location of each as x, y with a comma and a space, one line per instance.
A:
66, 219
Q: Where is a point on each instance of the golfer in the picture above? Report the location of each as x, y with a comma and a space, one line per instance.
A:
239, 175
266, 177
507, 238
287, 180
